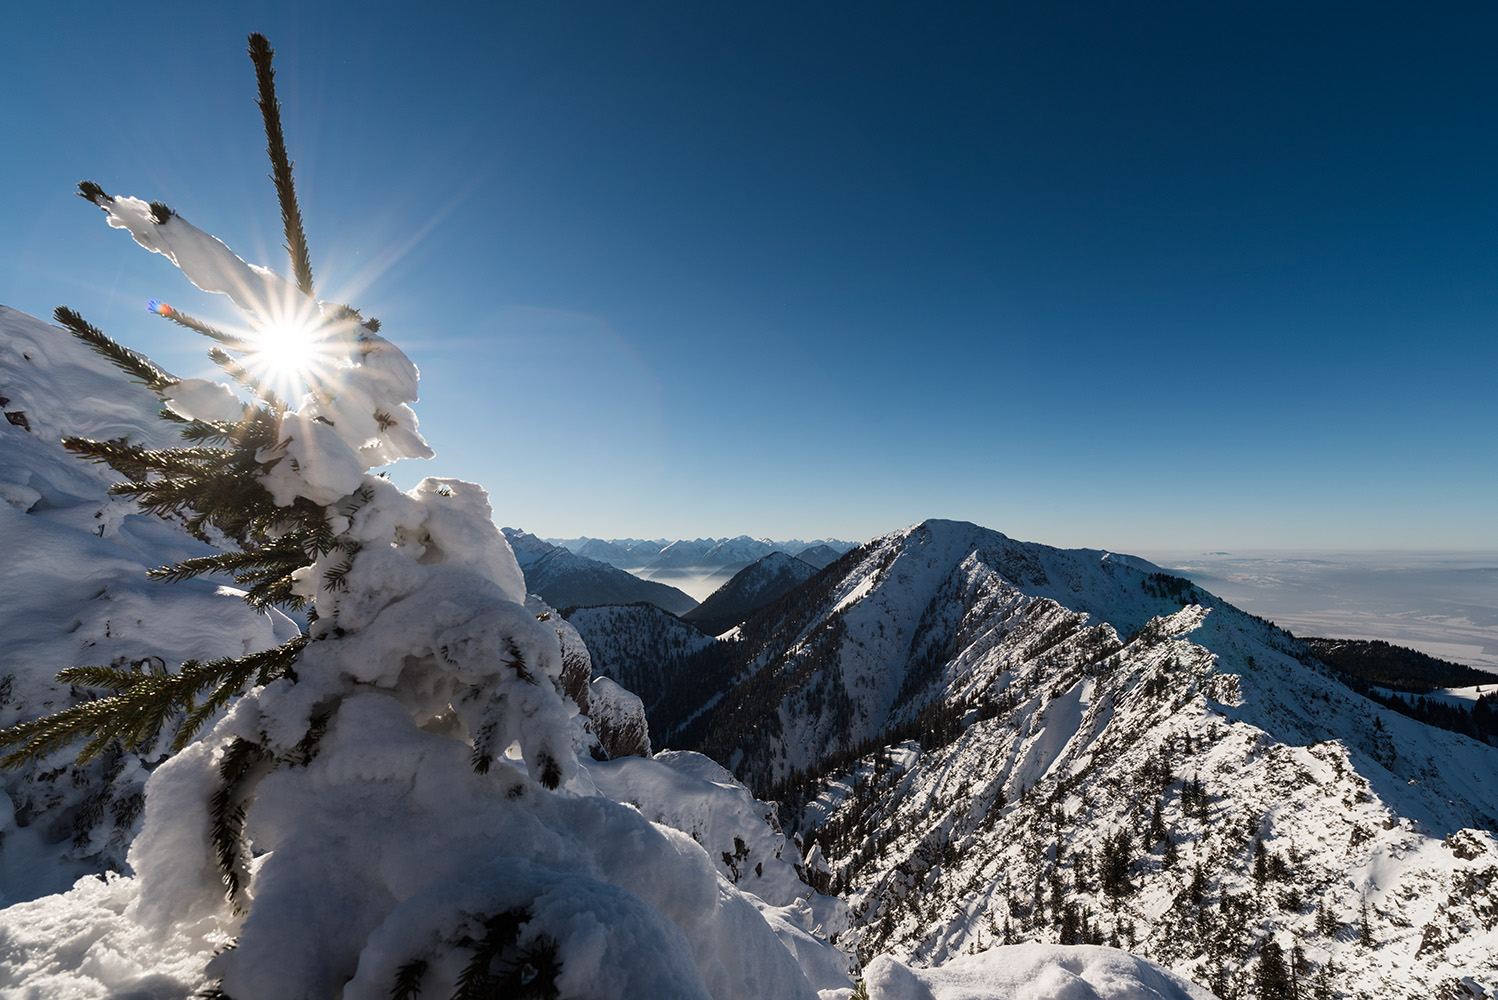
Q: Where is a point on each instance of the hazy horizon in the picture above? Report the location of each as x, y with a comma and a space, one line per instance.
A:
1441, 603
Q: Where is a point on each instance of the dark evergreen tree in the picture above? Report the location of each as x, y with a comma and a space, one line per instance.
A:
1365, 928
1197, 890
1260, 864
1116, 858
1272, 976
1157, 831
1321, 984
1327, 924
1298, 969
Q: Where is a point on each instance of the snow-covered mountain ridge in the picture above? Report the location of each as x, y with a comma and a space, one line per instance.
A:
1095, 750
750, 589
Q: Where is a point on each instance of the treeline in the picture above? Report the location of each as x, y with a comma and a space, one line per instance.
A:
1173, 588
1386, 665
1399, 678
1478, 719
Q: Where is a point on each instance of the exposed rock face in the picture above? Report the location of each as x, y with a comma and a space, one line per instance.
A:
618, 720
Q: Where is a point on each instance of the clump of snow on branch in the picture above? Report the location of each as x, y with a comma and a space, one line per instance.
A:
353, 419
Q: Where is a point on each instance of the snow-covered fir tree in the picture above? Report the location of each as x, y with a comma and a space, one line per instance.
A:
394, 803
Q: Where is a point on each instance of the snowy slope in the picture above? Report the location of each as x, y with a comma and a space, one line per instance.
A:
1051, 701
74, 592
1022, 972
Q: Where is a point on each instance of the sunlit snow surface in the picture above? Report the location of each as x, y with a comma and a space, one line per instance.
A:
951, 849
1031, 972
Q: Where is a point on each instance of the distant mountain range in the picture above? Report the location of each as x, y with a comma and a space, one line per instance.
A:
584, 572
565, 579
698, 566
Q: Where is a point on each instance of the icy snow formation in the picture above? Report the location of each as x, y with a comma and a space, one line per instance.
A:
349, 422
415, 794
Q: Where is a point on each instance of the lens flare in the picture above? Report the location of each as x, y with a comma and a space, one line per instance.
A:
291, 355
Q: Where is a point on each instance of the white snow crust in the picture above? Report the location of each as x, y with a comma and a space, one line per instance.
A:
1099, 697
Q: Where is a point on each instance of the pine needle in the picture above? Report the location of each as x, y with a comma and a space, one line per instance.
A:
143, 705
408, 980
127, 361
239, 768
291, 215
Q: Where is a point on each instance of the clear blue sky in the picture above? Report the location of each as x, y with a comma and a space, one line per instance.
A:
1132, 276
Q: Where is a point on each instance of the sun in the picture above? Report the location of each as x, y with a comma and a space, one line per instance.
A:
284, 350
289, 355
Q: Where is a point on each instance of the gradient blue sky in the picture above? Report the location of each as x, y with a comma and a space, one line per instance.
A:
1131, 276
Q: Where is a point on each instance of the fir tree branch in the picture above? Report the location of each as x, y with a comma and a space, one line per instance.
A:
408, 980
301, 755
196, 325
127, 361
143, 704
226, 562
239, 766
170, 462
89, 191
476, 981
118, 453
291, 216
204, 431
